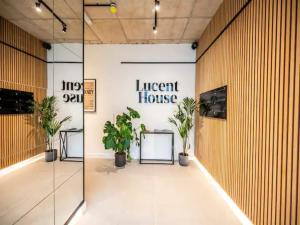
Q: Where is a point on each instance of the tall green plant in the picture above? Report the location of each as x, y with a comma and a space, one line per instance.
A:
118, 136
47, 116
183, 120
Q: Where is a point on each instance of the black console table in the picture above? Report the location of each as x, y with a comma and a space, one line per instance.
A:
63, 143
157, 161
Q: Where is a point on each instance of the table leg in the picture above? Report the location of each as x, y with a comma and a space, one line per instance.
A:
140, 147
173, 149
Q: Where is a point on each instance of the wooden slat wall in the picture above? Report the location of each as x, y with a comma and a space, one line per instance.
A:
224, 14
20, 136
254, 154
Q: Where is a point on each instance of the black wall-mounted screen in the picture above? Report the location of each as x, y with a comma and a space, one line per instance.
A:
15, 102
214, 103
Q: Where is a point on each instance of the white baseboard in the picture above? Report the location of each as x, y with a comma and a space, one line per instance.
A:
21, 164
78, 214
233, 206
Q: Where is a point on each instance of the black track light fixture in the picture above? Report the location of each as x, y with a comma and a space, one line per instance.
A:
157, 5
154, 30
64, 29
156, 8
38, 7
112, 6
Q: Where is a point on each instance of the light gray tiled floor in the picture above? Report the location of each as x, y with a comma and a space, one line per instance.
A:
151, 195
27, 194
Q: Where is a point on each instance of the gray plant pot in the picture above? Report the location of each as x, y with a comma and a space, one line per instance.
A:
120, 159
51, 155
183, 159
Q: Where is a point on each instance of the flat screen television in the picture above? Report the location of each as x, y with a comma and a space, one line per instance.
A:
15, 102
214, 103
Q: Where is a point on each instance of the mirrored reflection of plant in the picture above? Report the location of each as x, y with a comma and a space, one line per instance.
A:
47, 118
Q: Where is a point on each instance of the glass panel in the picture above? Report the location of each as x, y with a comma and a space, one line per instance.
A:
41, 55
26, 179
67, 87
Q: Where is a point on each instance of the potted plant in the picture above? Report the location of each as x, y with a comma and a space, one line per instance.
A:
183, 120
47, 116
118, 136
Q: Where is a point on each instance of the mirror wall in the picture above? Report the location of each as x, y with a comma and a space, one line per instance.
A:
41, 59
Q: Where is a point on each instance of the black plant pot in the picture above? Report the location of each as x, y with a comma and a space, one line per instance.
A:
51, 155
120, 159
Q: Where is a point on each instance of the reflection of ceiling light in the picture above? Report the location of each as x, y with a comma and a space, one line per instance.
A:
87, 19
64, 29
157, 5
113, 8
38, 7
155, 30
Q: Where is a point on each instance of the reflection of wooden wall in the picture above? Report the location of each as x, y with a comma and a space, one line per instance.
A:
255, 154
20, 136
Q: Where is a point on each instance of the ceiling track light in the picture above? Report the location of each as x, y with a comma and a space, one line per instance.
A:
40, 3
156, 8
38, 7
112, 6
64, 29
155, 30
157, 5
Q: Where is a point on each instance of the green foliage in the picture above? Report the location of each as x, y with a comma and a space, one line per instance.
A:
47, 114
120, 135
183, 119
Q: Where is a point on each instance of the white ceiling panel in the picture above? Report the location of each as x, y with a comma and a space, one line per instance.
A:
206, 8
195, 28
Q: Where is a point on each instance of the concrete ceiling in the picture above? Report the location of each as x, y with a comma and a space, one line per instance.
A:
179, 21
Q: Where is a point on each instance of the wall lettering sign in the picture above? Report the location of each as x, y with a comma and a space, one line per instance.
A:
157, 92
74, 91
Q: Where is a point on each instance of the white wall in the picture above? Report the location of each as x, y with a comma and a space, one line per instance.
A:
70, 72
116, 89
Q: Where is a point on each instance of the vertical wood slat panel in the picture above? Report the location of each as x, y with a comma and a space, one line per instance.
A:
20, 71
296, 143
254, 154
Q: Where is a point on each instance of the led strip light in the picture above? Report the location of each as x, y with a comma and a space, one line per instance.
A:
233, 206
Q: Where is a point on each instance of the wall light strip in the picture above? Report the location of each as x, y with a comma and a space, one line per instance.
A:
20, 165
233, 206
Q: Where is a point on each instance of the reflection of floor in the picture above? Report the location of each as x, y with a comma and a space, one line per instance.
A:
151, 195
27, 188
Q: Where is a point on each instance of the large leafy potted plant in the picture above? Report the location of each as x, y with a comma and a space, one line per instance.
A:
47, 116
183, 120
118, 136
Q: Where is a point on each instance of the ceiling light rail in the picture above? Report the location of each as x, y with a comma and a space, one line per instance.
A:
112, 6
38, 6
156, 9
